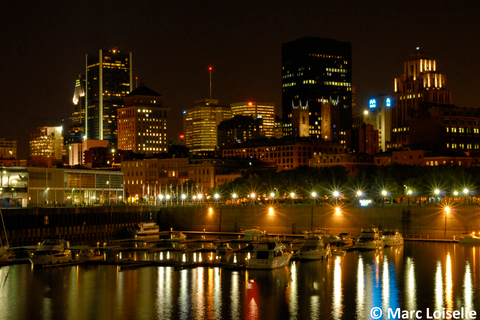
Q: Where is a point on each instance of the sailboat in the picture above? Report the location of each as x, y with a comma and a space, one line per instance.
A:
4, 249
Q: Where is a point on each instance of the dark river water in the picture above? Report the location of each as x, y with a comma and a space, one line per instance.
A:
419, 280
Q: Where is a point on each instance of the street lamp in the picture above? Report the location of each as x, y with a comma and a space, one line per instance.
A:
234, 197
465, 194
447, 211
292, 195
252, 195
384, 194
184, 196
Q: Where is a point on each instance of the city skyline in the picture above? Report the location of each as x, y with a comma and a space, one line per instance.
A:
175, 43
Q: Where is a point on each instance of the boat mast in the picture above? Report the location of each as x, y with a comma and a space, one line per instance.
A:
4, 229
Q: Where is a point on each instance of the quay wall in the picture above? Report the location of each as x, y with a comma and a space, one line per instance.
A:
417, 221
30, 225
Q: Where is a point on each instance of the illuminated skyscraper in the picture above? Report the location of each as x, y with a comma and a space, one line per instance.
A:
416, 89
258, 110
47, 142
201, 124
142, 122
317, 72
108, 80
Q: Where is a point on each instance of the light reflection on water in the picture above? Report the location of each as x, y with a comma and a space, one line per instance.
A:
415, 277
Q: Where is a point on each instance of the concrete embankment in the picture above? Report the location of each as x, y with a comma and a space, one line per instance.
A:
27, 226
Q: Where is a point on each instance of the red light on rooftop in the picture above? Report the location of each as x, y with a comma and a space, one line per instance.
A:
250, 104
210, 68
182, 136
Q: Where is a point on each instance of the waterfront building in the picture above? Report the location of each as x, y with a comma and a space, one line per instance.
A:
424, 158
142, 122
286, 153
265, 111
419, 86
47, 142
108, 81
353, 162
148, 178
317, 72
36, 186
201, 124
76, 151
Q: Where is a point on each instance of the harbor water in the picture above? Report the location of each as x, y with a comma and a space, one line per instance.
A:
420, 279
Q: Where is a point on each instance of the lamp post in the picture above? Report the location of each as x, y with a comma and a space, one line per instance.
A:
437, 193
384, 194
292, 195
359, 194
409, 194
234, 197
253, 195
465, 195
447, 211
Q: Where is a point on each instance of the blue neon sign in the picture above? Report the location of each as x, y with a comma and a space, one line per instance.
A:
372, 103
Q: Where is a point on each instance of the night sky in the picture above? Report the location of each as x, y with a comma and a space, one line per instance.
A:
43, 47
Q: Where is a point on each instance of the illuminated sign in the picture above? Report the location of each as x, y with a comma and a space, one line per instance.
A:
372, 103
388, 102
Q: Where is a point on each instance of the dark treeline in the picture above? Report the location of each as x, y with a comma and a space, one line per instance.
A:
395, 179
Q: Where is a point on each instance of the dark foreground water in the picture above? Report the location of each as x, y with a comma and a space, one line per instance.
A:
431, 280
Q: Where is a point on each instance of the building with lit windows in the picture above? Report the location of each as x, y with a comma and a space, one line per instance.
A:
108, 80
238, 130
142, 122
8, 152
317, 72
47, 142
286, 153
258, 110
76, 131
416, 89
201, 123
35, 186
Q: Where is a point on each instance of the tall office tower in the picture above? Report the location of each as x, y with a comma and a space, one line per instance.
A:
315, 72
416, 89
76, 131
47, 142
201, 123
109, 79
258, 110
142, 122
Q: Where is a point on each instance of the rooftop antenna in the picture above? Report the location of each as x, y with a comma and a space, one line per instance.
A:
210, 72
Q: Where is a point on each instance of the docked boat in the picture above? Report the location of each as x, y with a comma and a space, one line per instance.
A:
90, 254
144, 229
370, 239
314, 248
343, 239
269, 253
253, 233
223, 248
392, 238
52, 251
469, 238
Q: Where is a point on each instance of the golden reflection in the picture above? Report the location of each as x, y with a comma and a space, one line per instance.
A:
360, 289
386, 285
411, 285
438, 287
199, 300
337, 308
315, 307
235, 307
293, 296
449, 284
184, 298
468, 287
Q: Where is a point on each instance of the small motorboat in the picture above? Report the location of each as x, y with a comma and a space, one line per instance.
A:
223, 248
392, 238
314, 247
469, 238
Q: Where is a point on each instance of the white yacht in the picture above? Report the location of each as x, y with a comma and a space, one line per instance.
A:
314, 248
52, 251
253, 233
370, 239
392, 238
469, 238
269, 253
143, 229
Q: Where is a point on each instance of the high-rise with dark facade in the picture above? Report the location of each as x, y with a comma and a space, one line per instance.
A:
416, 90
108, 80
317, 72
